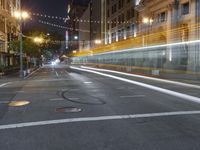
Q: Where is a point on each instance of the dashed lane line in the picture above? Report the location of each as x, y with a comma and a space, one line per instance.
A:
57, 99
4, 84
31, 73
57, 74
133, 96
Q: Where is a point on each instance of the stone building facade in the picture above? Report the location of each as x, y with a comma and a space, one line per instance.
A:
120, 20
9, 30
176, 21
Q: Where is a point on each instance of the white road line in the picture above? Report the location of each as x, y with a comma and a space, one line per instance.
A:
4, 102
87, 82
20, 91
73, 89
56, 74
57, 99
100, 118
120, 88
31, 73
70, 90
4, 84
73, 98
158, 89
52, 80
144, 77
132, 96
99, 95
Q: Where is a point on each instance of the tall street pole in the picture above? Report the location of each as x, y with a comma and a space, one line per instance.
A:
21, 45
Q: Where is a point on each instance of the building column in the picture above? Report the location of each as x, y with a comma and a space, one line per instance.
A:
197, 49
169, 34
6, 43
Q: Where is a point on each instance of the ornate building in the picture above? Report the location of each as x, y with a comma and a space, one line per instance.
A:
120, 20
173, 21
9, 29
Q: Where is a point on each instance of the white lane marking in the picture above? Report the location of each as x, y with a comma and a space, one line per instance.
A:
57, 99
87, 82
161, 90
145, 77
70, 90
120, 88
100, 118
99, 95
132, 96
73, 89
31, 73
56, 74
20, 91
4, 84
4, 102
73, 98
52, 80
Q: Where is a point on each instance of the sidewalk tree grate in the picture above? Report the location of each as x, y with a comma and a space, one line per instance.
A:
18, 103
68, 110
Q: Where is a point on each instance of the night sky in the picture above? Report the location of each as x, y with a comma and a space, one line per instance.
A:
49, 7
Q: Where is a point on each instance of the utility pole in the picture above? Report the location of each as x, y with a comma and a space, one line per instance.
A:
21, 44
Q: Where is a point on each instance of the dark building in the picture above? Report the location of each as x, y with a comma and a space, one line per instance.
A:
9, 29
75, 10
90, 25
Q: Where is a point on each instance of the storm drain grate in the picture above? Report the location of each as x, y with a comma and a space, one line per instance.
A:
68, 110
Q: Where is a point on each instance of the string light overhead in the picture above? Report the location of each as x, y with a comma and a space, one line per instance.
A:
80, 20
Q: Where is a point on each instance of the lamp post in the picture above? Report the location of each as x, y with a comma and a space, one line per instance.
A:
148, 22
21, 15
38, 40
97, 42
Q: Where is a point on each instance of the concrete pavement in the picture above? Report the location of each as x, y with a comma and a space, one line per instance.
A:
114, 114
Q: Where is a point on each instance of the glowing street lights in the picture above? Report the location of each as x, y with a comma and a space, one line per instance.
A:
21, 16
148, 22
97, 42
38, 40
75, 37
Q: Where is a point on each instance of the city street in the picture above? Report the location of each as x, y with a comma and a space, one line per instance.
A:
71, 108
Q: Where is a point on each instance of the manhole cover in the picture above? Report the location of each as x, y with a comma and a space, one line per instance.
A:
68, 109
18, 103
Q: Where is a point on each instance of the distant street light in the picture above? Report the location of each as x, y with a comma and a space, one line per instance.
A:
97, 41
38, 40
148, 22
75, 37
145, 20
74, 52
21, 16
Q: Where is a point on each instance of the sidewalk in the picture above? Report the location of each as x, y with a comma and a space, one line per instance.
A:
14, 76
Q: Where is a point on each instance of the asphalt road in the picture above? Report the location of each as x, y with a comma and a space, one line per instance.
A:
112, 114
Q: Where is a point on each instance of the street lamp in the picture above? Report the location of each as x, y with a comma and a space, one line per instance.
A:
97, 41
74, 52
148, 22
21, 15
38, 40
75, 37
